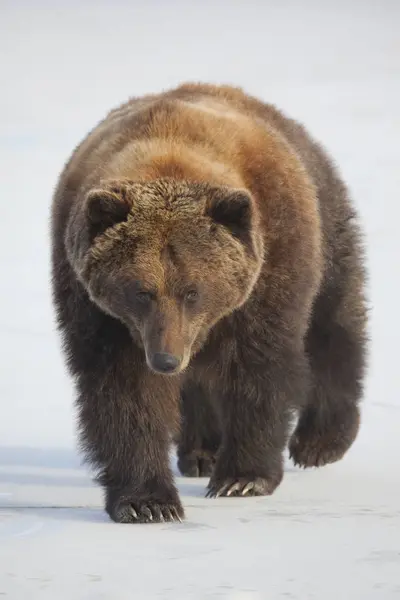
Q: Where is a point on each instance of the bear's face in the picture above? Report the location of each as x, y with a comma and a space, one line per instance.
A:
169, 260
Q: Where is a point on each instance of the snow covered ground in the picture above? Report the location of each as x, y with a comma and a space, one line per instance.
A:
325, 534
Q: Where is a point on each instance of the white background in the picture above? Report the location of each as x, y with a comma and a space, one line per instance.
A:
330, 533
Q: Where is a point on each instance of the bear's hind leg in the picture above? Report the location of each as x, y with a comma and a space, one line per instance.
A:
329, 423
200, 433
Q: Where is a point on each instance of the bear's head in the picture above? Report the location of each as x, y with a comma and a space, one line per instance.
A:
169, 259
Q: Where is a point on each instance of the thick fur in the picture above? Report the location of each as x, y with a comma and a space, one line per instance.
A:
204, 226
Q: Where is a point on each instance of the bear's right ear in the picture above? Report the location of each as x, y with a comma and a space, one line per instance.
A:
105, 208
234, 210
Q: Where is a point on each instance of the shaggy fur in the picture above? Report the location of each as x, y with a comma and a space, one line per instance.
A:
208, 279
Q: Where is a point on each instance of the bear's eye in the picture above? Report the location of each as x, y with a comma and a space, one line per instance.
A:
191, 296
144, 297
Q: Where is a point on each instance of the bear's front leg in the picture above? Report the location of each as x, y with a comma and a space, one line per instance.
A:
126, 422
259, 395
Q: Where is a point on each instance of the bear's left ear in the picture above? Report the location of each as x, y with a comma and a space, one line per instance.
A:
105, 208
233, 210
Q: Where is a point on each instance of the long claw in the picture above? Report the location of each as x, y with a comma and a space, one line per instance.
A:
168, 514
222, 490
176, 515
133, 512
247, 488
234, 488
147, 513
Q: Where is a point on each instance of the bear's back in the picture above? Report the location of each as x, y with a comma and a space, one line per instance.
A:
227, 124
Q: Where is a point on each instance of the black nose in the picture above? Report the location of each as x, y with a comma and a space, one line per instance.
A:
164, 362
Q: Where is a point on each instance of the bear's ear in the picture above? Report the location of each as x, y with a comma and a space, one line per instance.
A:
105, 208
233, 210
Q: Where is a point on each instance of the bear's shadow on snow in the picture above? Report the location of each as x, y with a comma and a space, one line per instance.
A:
58, 467
64, 468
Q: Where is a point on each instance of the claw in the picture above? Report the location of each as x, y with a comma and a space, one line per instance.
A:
222, 490
133, 512
168, 513
234, 488
176, 515
147, 513
213, 493
247, 488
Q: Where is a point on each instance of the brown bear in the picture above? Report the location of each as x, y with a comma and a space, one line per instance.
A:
208, 277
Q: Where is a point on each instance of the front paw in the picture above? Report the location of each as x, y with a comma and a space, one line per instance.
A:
231, 478
128, 510
240, 486
145, 508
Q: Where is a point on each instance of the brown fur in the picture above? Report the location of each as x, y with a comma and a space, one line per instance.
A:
203, 232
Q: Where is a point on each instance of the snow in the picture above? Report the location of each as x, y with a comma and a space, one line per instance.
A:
328, 533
